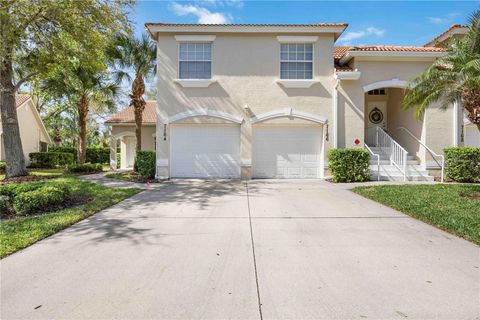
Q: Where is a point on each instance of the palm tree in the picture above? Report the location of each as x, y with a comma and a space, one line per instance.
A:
88, 90
129, 54
455, 77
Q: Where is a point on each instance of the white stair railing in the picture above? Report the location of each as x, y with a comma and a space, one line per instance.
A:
432, 153
397, 154
378, 160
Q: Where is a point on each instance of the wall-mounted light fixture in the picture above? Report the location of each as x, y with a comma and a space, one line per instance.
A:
326, 133
164, 132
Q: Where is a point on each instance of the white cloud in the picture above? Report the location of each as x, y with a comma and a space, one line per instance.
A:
443, 20
203, 15
347, 37
222, 3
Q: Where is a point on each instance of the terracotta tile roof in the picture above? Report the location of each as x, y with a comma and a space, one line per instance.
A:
127, 115
21, 99
340, 51
248, 24
452, 27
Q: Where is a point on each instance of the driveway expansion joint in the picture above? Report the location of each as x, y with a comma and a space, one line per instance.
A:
253, 253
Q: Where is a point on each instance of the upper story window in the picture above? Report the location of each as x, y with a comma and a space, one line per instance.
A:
296, 61
195, 61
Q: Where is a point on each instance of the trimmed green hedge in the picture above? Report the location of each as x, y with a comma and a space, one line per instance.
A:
349, 165
3, 166
31, 198
145, 163
85, 168
94, 154
463, 164
50, 159
41, 199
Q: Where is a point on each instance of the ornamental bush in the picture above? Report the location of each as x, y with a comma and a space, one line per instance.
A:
94, 154
145, 163
3, 166
39, 200
349, 165
98, 155
462, 164
50, 159
85, 168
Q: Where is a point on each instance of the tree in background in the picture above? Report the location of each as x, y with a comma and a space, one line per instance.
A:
89, 90
38, 37
138, 56
455, 77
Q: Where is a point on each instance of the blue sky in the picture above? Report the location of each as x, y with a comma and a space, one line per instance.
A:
370, 22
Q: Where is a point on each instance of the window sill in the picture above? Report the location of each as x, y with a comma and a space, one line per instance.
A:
296, 83
194, 83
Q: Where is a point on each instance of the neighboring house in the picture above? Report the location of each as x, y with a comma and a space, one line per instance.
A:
269, 100
33, 134
123, 132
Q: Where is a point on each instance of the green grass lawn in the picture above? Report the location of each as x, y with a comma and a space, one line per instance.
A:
20, 232
451, 207
129, 176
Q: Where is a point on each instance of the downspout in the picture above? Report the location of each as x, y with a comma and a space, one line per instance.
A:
335, 113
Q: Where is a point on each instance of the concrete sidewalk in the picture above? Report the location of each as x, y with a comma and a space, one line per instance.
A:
229, 249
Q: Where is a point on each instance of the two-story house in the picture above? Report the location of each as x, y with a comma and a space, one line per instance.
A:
269, 100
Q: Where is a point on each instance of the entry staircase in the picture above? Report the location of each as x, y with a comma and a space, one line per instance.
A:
391, 162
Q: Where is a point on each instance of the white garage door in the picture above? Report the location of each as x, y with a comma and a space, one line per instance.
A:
205, 151
287, 152
472, 136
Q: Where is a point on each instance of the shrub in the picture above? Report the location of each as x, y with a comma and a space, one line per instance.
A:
85, 168
11, 190
94, 154
3, 166
98, 155
349, 165
5, 204
463, 164
119, 158
41, 199
145, 163
50, 159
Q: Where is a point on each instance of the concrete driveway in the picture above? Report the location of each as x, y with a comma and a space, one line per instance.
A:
266, 249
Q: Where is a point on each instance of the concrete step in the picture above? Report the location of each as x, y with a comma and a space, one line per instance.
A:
391, 168
400, 178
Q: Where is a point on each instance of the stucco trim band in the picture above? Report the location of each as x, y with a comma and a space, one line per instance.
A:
195, 38
297, 39
392, 83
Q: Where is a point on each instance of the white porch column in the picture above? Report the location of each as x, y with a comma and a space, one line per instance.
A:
457, 122
113, 153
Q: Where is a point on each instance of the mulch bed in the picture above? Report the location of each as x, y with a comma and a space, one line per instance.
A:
70, 202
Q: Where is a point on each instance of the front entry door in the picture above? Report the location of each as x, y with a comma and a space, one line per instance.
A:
377, 114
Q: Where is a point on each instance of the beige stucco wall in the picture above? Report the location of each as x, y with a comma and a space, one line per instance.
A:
436, 129
148, 134
31, 132
246, 68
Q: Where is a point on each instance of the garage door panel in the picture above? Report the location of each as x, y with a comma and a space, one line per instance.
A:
287, 152
205, 151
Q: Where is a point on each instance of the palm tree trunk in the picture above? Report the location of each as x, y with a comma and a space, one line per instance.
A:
11, 132
471, 103
82, 122
138, 89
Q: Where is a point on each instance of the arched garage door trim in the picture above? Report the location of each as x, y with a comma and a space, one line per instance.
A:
289, 112
205, 113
